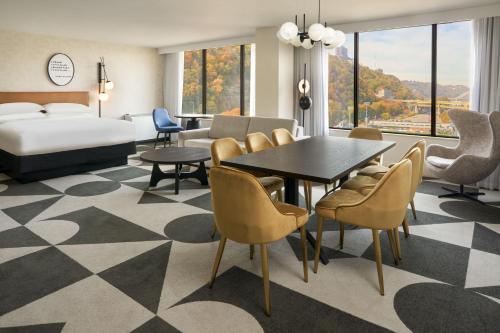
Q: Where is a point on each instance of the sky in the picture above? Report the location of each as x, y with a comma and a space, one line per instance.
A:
406, 53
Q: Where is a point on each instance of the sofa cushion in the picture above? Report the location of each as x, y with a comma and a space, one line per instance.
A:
229, 127
205, 143
267, 125
440, 162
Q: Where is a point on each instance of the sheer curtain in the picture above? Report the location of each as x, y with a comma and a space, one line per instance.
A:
316, 118
173, 80
485, 93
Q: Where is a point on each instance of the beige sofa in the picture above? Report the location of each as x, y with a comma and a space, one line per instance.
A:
236, 127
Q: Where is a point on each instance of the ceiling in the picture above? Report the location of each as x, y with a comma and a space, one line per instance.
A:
158, 23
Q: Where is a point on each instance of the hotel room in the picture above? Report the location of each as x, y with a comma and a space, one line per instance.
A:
236, 166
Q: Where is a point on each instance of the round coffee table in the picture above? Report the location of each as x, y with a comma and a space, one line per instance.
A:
177, 156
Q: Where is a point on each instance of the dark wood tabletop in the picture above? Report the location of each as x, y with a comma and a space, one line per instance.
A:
175, 155
194, 115
322, 159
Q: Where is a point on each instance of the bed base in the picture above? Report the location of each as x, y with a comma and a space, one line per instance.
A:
32, 168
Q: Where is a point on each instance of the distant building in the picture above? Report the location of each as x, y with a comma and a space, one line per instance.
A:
342, 53
384, 93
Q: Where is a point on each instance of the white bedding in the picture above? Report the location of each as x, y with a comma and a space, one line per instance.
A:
62, 133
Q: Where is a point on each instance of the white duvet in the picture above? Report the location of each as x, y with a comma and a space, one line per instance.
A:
62, 133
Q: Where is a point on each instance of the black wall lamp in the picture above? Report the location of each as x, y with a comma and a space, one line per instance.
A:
104, 83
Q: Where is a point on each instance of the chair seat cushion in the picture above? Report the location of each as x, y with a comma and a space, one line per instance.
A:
440, 162
171, 129
272, 183
300, 213
326, 207
359, 182
376, 171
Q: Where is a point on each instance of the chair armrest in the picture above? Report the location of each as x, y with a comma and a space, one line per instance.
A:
468, 169
201, 133
442, 151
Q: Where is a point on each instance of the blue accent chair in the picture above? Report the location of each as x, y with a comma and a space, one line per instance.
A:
164, 125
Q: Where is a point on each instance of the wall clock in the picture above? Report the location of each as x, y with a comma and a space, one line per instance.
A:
60, 69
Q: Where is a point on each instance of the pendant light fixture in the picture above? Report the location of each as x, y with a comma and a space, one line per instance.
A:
289, 33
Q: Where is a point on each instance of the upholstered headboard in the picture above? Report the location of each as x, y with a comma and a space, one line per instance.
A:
80, 97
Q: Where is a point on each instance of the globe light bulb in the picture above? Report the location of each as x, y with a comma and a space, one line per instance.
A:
281, 39
307, 44
109, 85
288, 30
296, 41
316, 31
328, 36
339, 39
103, 97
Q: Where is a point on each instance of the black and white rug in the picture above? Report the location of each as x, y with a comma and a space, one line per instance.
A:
98, 252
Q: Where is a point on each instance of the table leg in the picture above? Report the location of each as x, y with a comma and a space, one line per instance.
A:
177, 177
292, 197
156, 175
192, 123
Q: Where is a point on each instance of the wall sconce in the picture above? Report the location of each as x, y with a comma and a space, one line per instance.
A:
104, 83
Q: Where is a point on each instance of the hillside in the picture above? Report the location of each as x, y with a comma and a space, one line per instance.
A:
451, 91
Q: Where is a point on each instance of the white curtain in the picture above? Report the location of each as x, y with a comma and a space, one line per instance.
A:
173, 80
485, 92
316, 118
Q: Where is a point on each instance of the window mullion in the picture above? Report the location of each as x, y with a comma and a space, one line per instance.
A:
434, 80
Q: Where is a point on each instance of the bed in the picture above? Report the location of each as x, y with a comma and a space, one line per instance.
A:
36, 146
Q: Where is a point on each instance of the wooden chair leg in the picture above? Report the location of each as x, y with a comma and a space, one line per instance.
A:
412, 203
252, 250
378, 259
214, 230
303, 241
341, 240
398, 244
392, 243
165, 140
317, 248
406, 228
279, 195
306, 196
220, 250
309, 192
265, 279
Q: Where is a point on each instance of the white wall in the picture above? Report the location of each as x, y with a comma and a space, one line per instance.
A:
273, 75
136, 71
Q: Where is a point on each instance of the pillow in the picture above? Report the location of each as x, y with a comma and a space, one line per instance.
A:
70, 115
21, 116
16, 108
66, 108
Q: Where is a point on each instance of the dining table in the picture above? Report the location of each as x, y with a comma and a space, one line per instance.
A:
321, 159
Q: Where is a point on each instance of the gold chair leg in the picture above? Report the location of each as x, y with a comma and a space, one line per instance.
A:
341, 240
326, 188
406, 228
378, 259
303, 240
398, 244
412, 203
279, 195
214, 230
306, 196
317, 248
392, 243
265, 279
220, 250
252, 250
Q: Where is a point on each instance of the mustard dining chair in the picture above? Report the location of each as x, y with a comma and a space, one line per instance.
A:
280, 137
244, 212
368, 134
257, 141
382, 208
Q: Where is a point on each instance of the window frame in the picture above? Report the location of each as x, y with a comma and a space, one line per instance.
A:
434, 37
204, 82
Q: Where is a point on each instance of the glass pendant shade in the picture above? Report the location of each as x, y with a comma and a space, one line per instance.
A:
103, 97
288, 31
316, 31
339, 38
296, 41
307, 44
328, 36
109, 85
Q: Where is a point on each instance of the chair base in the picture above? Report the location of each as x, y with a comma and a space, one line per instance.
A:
462, 193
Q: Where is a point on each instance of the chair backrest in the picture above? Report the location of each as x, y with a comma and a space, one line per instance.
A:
475, 132
161, 118
365, 133
415, 156
385, 206
257, 141
226, 148
243, 210
420, 144
495, 128
281, 136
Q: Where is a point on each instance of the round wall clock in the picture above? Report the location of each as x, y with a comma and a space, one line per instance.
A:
60, 69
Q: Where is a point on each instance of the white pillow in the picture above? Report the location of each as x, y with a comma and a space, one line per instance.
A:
16, 108
21, 116
65, 108
70, 115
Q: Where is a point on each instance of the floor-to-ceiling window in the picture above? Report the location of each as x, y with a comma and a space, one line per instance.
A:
217, 80
401, 80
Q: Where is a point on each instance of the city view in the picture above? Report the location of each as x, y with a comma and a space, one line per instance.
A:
395, 95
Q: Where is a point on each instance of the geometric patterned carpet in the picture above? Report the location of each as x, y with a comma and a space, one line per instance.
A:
98, 252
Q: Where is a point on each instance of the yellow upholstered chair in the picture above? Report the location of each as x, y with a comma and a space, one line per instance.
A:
382, 208
377, 171
257, 141
281, 136
368, 134
245, 213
